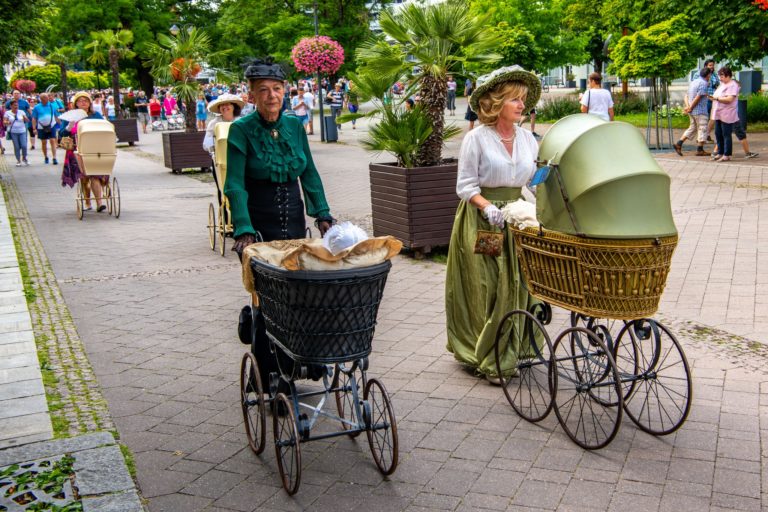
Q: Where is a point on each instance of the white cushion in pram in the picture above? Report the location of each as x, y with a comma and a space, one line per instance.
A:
96, 146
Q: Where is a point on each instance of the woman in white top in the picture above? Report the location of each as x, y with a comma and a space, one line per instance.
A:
496, 161
15, 121
225, 108
597, 100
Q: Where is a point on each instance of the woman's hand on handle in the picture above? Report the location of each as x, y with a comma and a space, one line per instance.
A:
494, 215
241, 242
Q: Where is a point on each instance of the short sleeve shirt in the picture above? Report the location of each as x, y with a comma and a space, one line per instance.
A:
698, 88
45, 114
726, 112
598, 101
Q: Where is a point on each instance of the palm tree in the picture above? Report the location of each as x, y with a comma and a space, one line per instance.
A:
178, 59
64, 56
430, 42
111, 46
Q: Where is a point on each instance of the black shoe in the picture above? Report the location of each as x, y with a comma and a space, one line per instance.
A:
678, 148
101, 208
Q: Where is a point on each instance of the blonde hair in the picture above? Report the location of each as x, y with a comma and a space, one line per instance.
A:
493, 101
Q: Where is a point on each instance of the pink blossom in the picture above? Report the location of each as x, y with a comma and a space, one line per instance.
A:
320, 53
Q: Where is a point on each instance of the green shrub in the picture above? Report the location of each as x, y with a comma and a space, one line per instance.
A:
633, 104
757, 108
556, 108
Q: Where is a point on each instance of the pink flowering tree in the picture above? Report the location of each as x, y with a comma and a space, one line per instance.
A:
319, 54
25, 86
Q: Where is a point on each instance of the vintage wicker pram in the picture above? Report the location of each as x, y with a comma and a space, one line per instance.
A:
319, 324
96, 154
603, 252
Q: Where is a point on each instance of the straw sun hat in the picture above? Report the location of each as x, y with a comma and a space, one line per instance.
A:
487, 83
225, 98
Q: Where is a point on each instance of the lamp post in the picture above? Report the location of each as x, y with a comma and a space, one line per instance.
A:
319, 84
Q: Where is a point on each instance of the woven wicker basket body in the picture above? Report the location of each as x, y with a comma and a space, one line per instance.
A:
619, 279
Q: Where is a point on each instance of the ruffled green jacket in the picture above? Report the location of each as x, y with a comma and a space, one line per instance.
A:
252, 151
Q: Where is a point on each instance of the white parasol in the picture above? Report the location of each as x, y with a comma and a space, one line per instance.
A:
74, 115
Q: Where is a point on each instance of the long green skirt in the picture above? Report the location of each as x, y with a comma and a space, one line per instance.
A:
480, 290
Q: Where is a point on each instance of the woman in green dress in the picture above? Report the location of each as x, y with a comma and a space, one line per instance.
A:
497, 160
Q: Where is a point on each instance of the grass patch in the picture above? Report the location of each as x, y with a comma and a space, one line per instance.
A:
129, 461
439, 255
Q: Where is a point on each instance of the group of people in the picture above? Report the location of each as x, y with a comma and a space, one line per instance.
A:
27, 119
712, 102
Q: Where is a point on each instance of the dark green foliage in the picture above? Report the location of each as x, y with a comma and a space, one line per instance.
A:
757, 108
552, 109
633, 104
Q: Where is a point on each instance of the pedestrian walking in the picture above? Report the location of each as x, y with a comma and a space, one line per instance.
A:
15, 121
596, 100
725, 113
45, 118
451, 99
336, 101
142, 110
696, 108
713, 84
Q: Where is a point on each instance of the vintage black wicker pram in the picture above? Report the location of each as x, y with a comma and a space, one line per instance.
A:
610, 358
319, 325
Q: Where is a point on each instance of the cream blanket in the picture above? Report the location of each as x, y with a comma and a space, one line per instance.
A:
309, 254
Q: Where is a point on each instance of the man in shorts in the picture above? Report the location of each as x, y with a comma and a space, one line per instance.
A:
45, 117
142, 110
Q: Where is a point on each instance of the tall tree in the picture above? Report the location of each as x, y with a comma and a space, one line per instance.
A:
111, 46
430, 42
21, 25
64, 56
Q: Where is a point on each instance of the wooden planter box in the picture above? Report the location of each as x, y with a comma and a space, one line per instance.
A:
127, 130
185, 150
415, 205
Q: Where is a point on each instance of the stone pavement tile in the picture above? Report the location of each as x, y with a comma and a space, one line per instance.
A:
498, 482
686, 470
549, 475
442, 440
373, 502
695, 439
688, 489
640, 488
474, 501
738, 449
119, 502
436, 501
187, 442
739, 465
671, 502
622, 502
739, 483
474, 447
101, 470
743, 435
247, 496
586, 494
451, 482
595, 475
178, 503
646, 471
213, 484
534, 493
32, 427
156, 459
21, 389
732, 502
519, 449
156, 482
559, 459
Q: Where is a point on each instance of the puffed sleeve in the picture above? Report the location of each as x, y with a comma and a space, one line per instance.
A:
468, 180
314, 195
208, 141
234, 188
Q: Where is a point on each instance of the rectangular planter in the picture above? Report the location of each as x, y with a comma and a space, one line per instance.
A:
415, 205
185, 150
127, 130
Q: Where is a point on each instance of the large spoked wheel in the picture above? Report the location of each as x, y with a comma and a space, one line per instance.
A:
576, 378
115, 198
252, 400
381, 427
108, 198
79, 202
221, 230
527, 386
661, 399
212, 226
347, 385
287, 448
623, 351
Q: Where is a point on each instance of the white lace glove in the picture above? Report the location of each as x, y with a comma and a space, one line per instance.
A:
494, 215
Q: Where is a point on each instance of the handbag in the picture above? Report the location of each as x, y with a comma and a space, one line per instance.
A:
47, 130
67, 143
489, 243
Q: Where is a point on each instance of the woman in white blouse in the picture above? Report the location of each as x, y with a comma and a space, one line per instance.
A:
496, 162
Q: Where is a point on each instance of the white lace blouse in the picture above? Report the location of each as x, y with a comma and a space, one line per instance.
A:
484, 162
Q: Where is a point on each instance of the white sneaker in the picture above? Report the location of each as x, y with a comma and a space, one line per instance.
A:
18, 164
26, 164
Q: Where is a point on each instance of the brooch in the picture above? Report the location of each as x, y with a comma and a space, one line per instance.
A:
275, 134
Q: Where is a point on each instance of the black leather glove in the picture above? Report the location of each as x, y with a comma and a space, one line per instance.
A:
241, 242
323, 224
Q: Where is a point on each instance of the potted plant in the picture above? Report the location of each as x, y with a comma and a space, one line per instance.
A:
570, 80
111, 46
414, 199
177, 60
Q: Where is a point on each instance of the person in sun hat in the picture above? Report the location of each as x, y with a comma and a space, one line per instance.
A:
496, 161
226, 108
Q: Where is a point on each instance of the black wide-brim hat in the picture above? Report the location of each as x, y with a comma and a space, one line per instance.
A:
515, 73
264, 69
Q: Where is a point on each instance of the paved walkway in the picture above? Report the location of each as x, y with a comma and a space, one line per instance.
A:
156, 310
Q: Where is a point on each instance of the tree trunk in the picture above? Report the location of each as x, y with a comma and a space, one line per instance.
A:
64, 86
146, 82
434, 91
114, 66
189, 115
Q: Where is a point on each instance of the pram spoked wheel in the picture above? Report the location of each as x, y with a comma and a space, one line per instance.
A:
528, 388
348, 384
212, 226
662, 393
287, 449
114, 202
585, 385
222, 231
253, 403
381, 426
79, 202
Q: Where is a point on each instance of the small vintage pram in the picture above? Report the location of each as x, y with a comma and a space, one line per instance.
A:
220, 226
96, 154
602, 252
319, 325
